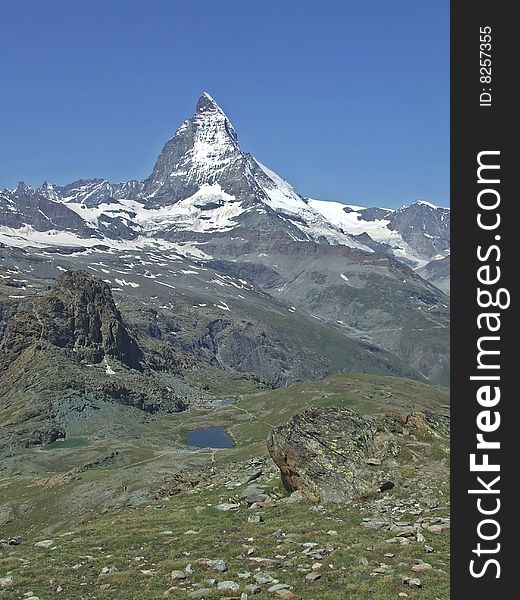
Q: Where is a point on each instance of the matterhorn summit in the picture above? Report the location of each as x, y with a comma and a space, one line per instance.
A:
203, 151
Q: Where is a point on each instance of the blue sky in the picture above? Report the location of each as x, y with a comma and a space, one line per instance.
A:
347, 100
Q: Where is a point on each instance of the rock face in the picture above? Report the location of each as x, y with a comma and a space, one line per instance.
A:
323, 453
247, 347
425, 227
79, 315
335, 455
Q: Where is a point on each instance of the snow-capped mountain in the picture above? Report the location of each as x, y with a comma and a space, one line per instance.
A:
204, 184
415, 234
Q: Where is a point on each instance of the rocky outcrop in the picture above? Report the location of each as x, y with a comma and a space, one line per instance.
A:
117, 228
323, 453
47, 393
437, 424
78, 315
336, 455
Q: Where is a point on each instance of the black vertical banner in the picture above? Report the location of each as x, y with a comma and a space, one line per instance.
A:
485, 241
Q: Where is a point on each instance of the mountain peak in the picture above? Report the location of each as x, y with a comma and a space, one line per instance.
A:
23, 187
207, 104
203, 151
423, 203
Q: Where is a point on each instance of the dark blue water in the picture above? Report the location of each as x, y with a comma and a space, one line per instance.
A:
209, 437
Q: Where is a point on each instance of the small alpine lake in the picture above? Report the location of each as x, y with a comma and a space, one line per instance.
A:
209, 437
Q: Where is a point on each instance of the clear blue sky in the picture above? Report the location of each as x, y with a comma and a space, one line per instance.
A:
347, 100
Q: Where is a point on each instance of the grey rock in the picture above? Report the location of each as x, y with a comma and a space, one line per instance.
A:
263, 578
278, 586
216, 565
109, 570
252, 589
45, 544
322, 453
253, 494
6, 581
255, 519
178, 575
227, 506
228, 586
421, 566
199, 594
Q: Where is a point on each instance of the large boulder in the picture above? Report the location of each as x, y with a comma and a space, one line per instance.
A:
324, 453
336, 455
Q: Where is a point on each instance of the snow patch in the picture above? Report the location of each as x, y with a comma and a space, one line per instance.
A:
124, 282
